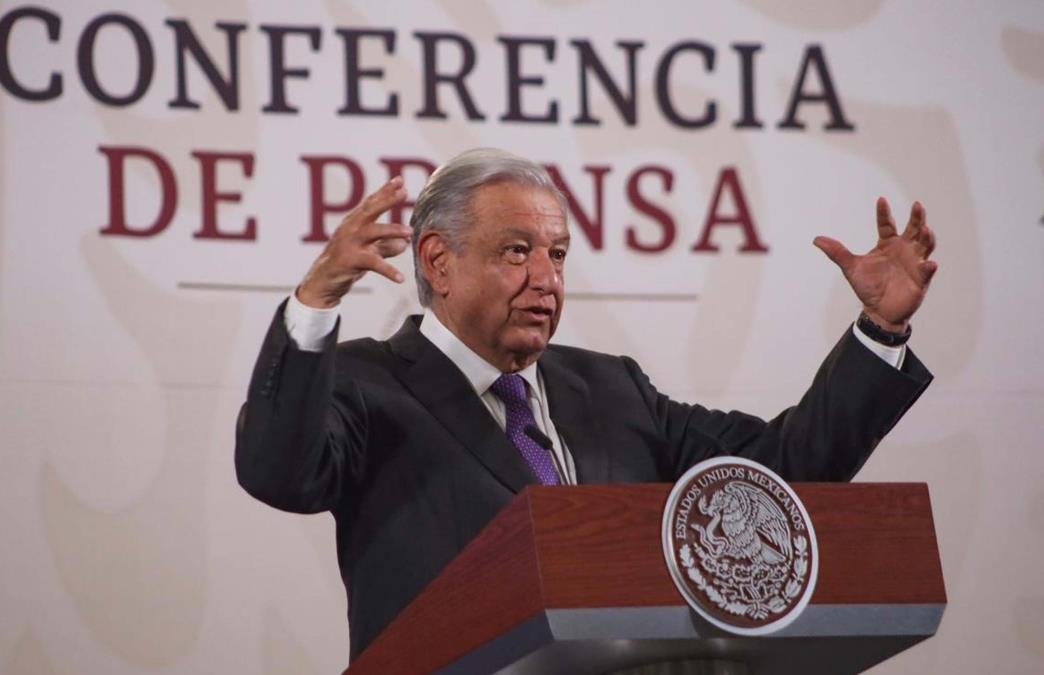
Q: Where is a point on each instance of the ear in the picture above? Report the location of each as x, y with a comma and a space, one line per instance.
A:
435, 256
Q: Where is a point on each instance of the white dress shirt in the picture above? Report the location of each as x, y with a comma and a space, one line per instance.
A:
308, 327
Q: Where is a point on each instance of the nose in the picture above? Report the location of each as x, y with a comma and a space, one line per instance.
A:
544, 275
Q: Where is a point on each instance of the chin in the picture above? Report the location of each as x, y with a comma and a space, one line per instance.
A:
529, 341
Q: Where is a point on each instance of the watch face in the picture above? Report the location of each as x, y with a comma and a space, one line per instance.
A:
740, 546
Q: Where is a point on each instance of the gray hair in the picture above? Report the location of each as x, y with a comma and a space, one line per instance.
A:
444, 205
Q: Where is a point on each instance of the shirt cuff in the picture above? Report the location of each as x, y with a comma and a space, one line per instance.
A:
309, 326
893, 356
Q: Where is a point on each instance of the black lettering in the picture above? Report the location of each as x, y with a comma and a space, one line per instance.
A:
663, 86
353, 73
625, 103
185, 40
814, 60
278, 72
515, 80
748, 117
433, 77
53, 25
85, 59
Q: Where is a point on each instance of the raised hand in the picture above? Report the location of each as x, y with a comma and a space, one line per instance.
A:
892, 279
359, 245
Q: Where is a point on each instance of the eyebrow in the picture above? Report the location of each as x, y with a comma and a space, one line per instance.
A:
524, 234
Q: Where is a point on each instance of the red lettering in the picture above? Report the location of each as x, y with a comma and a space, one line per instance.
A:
118, 225
591, 226
395, 168
319, 206
210, 196
634, 196
728, 179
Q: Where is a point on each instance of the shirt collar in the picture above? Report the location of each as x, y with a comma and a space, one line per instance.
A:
481, 374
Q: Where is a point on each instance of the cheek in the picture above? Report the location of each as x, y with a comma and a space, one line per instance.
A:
489, 300
508, 285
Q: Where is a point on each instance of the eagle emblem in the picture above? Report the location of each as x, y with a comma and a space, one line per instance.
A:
740, 546
754, 528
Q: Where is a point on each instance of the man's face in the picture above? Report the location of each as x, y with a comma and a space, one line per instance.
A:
503, 292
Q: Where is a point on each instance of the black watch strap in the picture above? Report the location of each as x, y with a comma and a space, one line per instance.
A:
878, 334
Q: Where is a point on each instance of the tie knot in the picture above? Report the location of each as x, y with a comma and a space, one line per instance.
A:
511, 389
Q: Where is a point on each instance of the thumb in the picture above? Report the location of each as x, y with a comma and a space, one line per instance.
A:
835, 250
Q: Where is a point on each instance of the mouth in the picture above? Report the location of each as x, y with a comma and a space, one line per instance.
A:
536, 314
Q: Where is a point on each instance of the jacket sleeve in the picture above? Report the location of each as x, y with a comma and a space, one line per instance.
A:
854, 400
297, 441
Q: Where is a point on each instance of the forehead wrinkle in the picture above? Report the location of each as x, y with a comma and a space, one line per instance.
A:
510, 231
496, 207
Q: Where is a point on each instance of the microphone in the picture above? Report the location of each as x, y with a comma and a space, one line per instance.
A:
541, 439
538, 436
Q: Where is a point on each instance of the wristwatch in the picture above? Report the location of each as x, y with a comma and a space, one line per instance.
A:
878, 334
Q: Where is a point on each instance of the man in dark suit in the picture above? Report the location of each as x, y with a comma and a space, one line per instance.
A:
415, 443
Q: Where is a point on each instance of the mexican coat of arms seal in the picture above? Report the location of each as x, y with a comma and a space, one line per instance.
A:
740, 546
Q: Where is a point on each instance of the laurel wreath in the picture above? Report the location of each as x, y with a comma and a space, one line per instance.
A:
754, 610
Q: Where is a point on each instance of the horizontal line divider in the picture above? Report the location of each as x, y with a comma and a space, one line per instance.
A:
582, 295
631, 297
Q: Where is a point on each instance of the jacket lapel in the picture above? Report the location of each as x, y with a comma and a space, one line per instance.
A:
570, 405
444, 391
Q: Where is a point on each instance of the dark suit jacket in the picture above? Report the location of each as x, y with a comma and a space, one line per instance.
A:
390, 437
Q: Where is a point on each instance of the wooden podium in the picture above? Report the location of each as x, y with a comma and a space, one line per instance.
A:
573, 580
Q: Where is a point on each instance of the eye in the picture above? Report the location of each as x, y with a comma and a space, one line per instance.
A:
516, 253
558, 254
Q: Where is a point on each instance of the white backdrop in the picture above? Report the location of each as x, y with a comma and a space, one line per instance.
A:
128, 546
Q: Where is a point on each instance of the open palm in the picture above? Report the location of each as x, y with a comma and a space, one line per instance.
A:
892, 279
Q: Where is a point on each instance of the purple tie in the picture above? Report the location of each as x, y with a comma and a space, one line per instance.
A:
511, 389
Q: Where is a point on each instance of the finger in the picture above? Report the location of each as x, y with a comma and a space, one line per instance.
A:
390, 194
836, 251
927, 240
927, 269
916, 222
374, 262
389, 248
372, 232
885, 223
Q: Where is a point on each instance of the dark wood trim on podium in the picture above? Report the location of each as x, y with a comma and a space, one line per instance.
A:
573, 580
